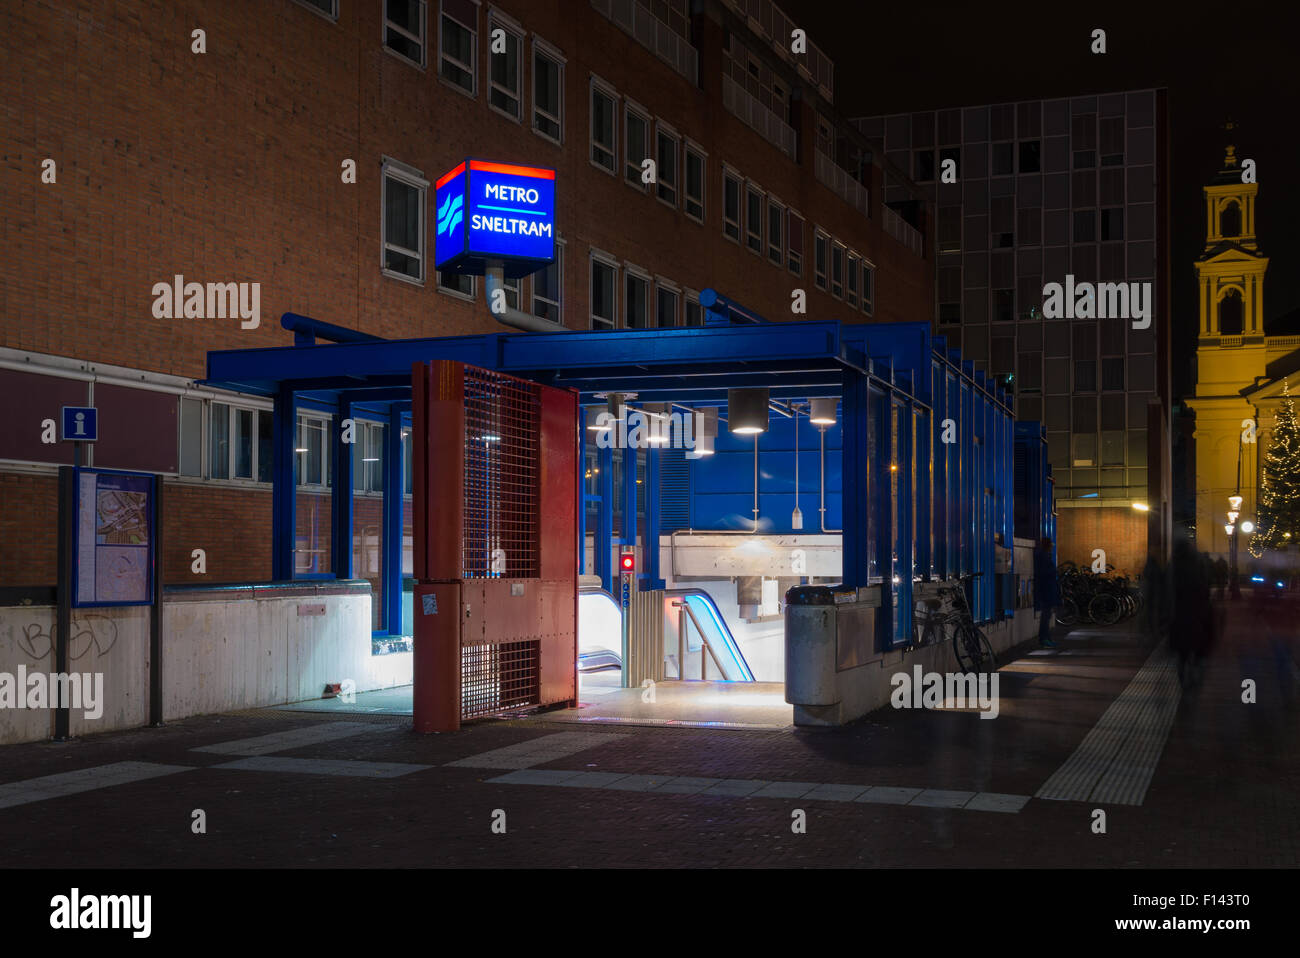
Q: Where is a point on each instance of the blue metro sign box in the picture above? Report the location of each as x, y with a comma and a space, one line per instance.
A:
494, 211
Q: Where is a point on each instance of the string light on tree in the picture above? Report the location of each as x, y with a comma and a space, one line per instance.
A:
1279, 495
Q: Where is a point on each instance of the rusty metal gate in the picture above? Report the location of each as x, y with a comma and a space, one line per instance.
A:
495, 528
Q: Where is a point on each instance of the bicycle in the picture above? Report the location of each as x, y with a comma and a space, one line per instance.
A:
969, 643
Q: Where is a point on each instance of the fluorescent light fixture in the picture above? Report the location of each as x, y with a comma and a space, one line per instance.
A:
656, 422
747, 411
375, 459
1141, 507
303, 449
822, 412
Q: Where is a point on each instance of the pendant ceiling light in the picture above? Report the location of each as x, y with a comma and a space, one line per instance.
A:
705, 429
822, 412
747, 411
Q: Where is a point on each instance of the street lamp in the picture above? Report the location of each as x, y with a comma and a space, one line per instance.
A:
1234, 510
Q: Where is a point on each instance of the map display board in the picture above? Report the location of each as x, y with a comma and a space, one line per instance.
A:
114, 553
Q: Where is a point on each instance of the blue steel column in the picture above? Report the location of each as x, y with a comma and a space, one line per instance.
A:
341, 502
284, 428
628, 493
906, 495
651, 494
391, 570
884, 525
604, 538
855, 459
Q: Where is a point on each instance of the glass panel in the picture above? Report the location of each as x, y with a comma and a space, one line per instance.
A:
219, 438
264, 450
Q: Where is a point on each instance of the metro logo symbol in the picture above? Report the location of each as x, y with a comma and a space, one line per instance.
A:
450, 214
495, 211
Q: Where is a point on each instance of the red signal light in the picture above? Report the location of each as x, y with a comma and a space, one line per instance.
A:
627, 562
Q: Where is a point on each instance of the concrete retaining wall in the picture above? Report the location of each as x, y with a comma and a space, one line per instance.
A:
223, 649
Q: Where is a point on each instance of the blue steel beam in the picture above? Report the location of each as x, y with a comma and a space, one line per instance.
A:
284, 428
391, 569
855, 496
341, 501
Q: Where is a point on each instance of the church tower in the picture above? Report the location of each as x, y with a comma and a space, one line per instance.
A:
1231, 352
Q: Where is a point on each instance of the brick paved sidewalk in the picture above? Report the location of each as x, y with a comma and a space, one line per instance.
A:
902, 788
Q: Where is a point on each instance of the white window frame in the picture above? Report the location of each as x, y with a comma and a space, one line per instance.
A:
868, 302
632, 173
422, 39
691, 296
410, 176
779, 248
472, 67
803, 243
365, 433
752, 187
822, 281
325, 421
497, 19
547, 52
837, 249
469, 297
533, 297
665, 130
608, 92
604, 259
632, 271
691, 147
668, 286
331, 17
852, 265
232, 407
731, 175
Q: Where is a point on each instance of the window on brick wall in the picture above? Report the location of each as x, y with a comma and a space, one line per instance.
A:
240, 442
837, 269
775, 231
403, 221
191, 437
731, 205
604, 292
667, 149
868, 288
636, 144
311, 453
328, 8
851, 286
754, 203
821, 259
794, 242
604, 126
505, 69
547, 286
694, 312
695, 166
666, 299
404, 29
548, 92
458, 45
636, 289
368, 457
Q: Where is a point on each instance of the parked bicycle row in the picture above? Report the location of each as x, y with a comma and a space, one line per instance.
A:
1095, 597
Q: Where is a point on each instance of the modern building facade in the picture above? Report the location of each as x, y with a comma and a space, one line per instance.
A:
1028, 194
281, 154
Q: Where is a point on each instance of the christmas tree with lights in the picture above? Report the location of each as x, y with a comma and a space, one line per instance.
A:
1279, 495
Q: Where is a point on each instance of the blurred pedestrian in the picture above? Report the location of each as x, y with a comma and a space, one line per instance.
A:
1047, 591
1221, 575
1191, 621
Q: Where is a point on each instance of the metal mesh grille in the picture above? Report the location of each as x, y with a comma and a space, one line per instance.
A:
501, 439
498, 677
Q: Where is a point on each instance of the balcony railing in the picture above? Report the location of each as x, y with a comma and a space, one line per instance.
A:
842, 183
903, 231
635, 19
768, 21
758, 117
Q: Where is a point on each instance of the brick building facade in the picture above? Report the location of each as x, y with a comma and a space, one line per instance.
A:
230, 165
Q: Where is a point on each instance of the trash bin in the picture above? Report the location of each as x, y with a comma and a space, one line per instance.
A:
810, 623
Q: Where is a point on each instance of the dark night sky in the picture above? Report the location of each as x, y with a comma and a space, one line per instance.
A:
1240, 60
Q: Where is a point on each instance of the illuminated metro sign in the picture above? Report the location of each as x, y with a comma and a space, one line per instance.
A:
494, 211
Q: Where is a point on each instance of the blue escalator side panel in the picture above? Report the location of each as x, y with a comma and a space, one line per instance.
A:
706, 611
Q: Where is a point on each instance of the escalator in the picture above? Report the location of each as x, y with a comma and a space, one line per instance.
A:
600, 637
706, 622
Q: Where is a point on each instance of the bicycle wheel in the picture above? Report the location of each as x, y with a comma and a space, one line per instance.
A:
1104, 609
972, 648
1068, 613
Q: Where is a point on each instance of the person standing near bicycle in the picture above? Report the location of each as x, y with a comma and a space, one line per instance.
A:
1047, 591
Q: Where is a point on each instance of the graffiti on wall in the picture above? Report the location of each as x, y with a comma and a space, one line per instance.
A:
99, 631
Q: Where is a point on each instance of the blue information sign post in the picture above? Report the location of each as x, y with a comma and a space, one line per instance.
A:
489, 212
